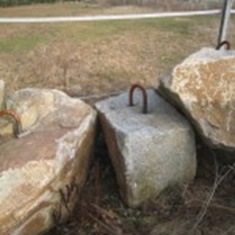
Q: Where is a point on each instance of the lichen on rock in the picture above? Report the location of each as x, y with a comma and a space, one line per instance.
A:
203, 85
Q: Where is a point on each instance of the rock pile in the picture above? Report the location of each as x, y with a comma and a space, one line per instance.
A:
42, 171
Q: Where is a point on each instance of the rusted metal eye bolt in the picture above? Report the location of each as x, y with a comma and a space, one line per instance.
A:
17, 126
144, 95
227, 43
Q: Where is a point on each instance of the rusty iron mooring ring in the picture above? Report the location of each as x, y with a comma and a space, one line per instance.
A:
227, 43
144, 95
17, 126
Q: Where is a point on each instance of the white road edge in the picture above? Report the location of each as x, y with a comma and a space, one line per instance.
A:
107, 17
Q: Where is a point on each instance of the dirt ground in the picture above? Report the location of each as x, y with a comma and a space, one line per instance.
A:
204, 207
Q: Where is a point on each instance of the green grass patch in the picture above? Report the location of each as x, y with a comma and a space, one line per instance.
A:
93, 31
19, 43
178, 25
85, 32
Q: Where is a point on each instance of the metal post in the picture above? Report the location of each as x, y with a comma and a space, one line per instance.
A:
224, 20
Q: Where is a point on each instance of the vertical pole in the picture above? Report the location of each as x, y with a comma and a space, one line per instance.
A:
224, 20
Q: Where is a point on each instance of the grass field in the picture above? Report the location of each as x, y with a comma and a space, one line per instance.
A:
86, 58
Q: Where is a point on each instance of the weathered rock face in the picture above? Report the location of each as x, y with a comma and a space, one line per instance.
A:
204, 85
150, 151
42, 172
2, 86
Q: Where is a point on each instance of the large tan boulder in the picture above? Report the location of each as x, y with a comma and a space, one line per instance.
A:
149, 152
43, 171
203, 85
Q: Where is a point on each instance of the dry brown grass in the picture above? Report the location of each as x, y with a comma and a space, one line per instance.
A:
93, 58
96, 57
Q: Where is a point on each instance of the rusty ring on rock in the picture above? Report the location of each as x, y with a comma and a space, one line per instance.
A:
144, 95
227, 43
18, 125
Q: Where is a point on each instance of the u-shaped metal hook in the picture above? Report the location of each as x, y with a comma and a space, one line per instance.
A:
18, 125
227, 43
144, 96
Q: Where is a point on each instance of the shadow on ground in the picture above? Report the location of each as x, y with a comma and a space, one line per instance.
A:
207, 206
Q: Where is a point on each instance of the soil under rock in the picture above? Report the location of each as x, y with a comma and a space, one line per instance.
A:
205, 207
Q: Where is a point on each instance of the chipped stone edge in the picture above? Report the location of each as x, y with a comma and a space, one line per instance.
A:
63, 145
164, 90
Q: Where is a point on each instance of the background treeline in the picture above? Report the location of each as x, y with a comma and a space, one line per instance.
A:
7, 3
167, 4
194, 4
